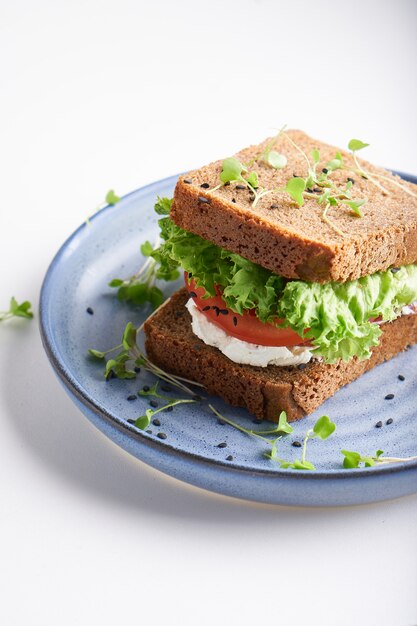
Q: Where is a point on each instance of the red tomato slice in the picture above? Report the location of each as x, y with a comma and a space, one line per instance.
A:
246, 327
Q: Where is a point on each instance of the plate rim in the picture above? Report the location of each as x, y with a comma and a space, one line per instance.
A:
164, 447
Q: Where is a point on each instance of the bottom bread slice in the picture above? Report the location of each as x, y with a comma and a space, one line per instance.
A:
264, 391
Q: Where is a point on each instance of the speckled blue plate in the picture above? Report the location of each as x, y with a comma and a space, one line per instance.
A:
77, 279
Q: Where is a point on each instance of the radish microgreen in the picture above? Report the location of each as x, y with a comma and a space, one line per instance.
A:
143, 421
130, 357
112, 198
323, 428
353, 460
17, 310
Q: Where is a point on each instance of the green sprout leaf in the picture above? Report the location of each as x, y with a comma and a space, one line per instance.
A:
97, 354
324, 427
143, 421
116, 282
295, 188
351, 460
129, 336
315, 155
17, 310
146, 248
283, 425
276, 160
357, 144
355, 206
112, 198
335, 164
232, 170
252, 179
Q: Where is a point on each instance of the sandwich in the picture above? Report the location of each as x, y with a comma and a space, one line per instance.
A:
300, 274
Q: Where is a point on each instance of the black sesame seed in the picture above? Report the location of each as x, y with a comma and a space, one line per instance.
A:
229, 458
378, 424
145, 388
389, 396
149, 432
132, 397
227, 183
205, 185
204, 200
389, 421
251, 196
234, 320
222, 445
296, 444
221, 422
302, 366
240, 187
233, 200
131, 421
350, 180
309, 190
192, 294
401, 377
156, 422
169, 408
224, 311
162, 435
325, 170
207, 308
153, 404
216, 308
137, 370
188, 181
90, 310
274, 206
317, 190
394, 270
190, 275
165, 388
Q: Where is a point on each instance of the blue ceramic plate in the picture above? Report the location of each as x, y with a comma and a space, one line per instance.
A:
77, 279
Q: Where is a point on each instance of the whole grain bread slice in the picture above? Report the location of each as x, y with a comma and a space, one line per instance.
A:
265, 392
294, 241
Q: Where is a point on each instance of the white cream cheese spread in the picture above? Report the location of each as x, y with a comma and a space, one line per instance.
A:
241, 351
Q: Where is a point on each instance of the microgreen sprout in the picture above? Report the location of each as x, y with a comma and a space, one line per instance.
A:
130, 357
112, 198
143, 421
140, 287
17, 310
353, 460
323, 428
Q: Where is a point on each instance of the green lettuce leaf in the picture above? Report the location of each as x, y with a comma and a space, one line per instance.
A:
335, 317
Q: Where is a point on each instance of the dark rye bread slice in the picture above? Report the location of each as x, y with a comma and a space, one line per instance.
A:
265, 392
294, 241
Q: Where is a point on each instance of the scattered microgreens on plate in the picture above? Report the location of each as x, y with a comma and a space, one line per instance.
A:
17, 310
140, 287
323, 428
130, 358
143, 421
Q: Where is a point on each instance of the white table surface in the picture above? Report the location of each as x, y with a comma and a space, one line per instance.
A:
98, 95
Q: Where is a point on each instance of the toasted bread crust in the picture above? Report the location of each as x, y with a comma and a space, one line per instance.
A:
294, 241
265, 392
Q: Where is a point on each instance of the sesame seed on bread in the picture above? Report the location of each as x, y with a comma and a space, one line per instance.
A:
264, 391
294, 241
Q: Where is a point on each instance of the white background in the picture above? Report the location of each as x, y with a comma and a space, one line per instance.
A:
104, 94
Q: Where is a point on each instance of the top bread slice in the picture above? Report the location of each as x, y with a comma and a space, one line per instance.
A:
292, 241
